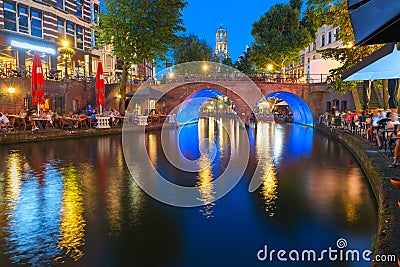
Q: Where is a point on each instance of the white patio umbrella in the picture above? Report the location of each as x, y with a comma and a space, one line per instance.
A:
380, 65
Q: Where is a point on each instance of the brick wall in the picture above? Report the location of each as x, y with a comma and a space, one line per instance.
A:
71, 90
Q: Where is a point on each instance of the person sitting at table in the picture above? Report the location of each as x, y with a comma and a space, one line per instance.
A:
4, 121
89, 109
374, 128
29, 118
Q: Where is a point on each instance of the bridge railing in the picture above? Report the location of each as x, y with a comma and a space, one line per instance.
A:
278, 78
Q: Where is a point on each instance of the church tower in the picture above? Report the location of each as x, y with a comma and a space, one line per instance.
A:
221, 44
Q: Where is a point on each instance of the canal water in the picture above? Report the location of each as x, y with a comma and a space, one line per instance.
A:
74, 202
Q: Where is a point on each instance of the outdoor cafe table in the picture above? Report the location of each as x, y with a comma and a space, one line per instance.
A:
41, 122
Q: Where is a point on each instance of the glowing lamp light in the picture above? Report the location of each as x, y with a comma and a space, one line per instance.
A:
269, 67
205, 67
119, 96
29, 46
65, 43
349, 45
11, 90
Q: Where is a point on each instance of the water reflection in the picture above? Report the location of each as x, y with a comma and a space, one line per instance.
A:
269, 188
72, 226
205, 185
84, 209
33, 213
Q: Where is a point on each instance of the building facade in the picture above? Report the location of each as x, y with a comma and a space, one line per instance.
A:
44, 26
112, 68
312, 68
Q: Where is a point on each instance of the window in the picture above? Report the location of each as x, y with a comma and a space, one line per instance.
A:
23, 19
343, 106
75, 105
329, 37
79, 8
96, 11
71, 33
152, 104
323, 40
36, 23
60, 4
10, 16
314, 46
328, 106
79, 37
26, 103
61, 28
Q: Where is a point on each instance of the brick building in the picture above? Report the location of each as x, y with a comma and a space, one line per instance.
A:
28, 25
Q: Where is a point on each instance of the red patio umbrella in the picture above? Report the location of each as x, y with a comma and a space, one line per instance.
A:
100, 88
37, 81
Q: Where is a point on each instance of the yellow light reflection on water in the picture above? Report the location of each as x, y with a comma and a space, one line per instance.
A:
13, 178
152, 147
205, 185
269, 188
72, 226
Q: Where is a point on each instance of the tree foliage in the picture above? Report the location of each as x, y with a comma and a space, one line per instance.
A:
279, 37
243, 63
192, 48
139, 30
334, 12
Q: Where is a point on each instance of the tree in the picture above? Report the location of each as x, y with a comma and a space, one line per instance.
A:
243, 63
279, 37
296, 4
139, 30
192, 48
334, 12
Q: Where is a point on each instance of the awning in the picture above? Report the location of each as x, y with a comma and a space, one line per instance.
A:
375, 21
382, 64
149, 93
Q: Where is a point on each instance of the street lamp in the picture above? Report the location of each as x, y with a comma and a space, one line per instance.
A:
66, 52
11, 90
270, 67
65, 44
205, 68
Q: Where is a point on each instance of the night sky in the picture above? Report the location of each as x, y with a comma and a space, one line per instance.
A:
203, 17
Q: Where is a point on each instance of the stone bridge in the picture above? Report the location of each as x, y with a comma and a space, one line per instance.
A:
305, 100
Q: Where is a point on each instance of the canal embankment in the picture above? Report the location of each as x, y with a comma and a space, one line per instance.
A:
374, 163
13, 137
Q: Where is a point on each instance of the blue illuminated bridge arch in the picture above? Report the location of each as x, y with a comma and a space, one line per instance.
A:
301, 111
190, 108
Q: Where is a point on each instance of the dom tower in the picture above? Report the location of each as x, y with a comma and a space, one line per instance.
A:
221, 44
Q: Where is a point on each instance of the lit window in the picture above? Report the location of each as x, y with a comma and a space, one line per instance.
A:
10, 16
152, 104
71, 33
79, 37
79, 8
36, 23
96, 11
75, 105
23, 19
61, 28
